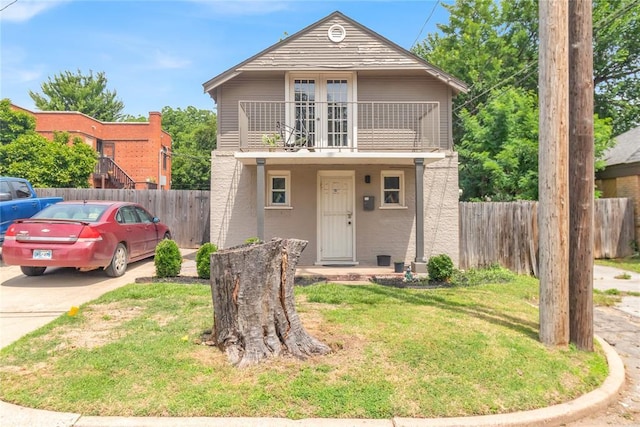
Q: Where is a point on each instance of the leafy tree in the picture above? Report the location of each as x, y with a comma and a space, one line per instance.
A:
499, 147
485, 46
87, 94
193, 133
14, 123
493, 47
616, 62
131, 118
55, 164
493, 44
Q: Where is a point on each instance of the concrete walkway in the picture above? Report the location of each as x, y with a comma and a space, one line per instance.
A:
605, 278
596, 402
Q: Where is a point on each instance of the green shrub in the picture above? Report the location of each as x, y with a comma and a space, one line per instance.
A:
168, 260
440, 268
252, 240
477, 276
203, 260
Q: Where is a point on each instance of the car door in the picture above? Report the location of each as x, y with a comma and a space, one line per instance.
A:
24, 205
132, 229
6, 216
149, 228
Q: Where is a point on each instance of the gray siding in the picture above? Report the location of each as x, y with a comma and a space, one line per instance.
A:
396, 88
254, 88
314, 50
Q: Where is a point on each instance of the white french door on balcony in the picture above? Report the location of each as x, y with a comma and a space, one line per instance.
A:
322, 109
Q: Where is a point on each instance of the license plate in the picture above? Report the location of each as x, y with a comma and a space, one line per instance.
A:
42, 254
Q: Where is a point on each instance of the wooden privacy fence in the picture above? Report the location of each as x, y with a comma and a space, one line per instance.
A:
490, 233
499, 233
507, 233
614, 228
186, 212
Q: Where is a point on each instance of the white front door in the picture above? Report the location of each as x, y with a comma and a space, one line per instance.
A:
336, 217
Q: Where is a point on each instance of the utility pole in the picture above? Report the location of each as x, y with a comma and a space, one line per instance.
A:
553, 211
581, 174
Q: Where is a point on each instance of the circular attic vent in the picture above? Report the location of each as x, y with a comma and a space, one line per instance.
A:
337, 33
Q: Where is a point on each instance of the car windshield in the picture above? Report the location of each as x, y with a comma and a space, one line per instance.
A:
81, 211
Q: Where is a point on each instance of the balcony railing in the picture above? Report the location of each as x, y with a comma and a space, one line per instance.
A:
341, 126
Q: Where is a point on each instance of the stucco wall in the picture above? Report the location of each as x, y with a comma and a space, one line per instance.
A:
378, 232
441, 221
233, 201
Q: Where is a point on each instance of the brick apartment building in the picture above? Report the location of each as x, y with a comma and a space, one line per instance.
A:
134, 155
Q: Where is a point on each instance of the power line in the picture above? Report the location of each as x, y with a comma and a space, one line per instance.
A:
606, 21
597, 26
500, 83
4, 7
425, 22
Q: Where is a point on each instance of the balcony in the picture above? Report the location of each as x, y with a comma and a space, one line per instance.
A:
341, 126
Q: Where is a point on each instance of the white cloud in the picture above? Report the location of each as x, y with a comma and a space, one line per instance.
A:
245, 7
14, 70
23, 10
26, 76
164, 60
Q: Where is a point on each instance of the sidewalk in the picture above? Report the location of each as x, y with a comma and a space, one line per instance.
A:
597, 400
605, 278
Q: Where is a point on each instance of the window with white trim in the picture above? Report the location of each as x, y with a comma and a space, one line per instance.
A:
279, 188
392, 188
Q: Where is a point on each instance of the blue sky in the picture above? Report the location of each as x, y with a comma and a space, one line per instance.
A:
157, 53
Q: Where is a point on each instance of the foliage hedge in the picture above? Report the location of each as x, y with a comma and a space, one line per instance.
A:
168, 260
203, 260
440, 268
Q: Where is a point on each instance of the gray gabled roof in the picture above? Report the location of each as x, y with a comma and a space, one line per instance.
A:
456, 84
626, 150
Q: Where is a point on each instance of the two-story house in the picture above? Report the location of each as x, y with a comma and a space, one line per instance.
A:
337, 136
132, 155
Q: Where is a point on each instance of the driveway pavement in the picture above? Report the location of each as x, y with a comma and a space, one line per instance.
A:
27, 303
619, 326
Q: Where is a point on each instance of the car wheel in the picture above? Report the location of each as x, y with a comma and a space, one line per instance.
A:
118, 264
32, 271
167, 236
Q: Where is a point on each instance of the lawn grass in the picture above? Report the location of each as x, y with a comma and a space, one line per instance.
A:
396, 352
631, 263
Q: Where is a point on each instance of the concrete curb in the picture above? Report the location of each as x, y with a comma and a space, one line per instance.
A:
17, 416
607, 393
555, 415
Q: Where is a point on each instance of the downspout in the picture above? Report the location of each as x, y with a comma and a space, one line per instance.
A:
419, 210
260, 197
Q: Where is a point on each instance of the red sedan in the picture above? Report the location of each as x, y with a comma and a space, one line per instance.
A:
83, 234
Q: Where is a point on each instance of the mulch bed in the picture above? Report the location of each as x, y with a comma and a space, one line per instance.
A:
393, 281
187, 280
398, 282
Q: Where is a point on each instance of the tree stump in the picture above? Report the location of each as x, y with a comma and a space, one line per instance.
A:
253, 303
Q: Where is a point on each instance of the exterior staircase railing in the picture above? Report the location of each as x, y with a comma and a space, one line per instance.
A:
108, 168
